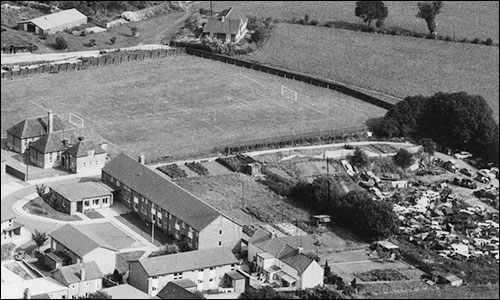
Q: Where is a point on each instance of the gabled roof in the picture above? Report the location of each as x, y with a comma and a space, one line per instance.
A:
299, 262
37, 126
260, 235
77, 241
6, 215
82, 190
235, 275
71, 273
173, 291
185, 261
54, 141
185, 283
57, 19
81, 148
231, 24
161, 191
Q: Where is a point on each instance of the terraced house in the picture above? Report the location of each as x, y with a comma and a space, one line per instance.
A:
173, 209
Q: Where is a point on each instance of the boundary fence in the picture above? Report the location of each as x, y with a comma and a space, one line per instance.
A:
113, 58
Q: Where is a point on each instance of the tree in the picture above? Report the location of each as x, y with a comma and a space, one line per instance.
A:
117, 277
40, 190
97, 295
113, 40
429, 145
61, 43
134, 31
371, 10
327, 269
39, 238
428, 11
359, 159
169, 249
403, 158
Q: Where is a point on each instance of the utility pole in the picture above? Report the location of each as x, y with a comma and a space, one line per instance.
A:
328, 179
152, 229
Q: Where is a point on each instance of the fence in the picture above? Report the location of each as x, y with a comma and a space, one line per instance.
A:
112, 58
386, 104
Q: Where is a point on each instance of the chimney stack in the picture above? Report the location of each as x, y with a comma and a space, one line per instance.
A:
50, 122
82, 273
66, 142
142, 158
299, 250
81, 138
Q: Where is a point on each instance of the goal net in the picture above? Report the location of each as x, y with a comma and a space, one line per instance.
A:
288, 93
75, 120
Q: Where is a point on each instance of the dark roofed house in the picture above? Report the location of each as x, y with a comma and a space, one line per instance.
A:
174, 210
82, 279
203, 267
230, 26
174, 291
83, 246
53, 23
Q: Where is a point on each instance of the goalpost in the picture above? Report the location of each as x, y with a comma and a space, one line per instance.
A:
288, 93
75, 120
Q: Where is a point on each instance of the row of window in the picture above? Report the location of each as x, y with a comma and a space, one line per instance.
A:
90, 164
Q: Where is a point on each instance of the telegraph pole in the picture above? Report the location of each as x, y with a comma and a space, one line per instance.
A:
152, 229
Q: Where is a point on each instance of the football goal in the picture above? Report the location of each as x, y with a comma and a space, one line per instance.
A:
75, 120
288, 93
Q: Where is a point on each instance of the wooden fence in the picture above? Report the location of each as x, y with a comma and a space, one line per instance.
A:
295, 76
91, 62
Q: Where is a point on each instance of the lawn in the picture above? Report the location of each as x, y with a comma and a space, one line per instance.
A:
469, 19
39, 207
183, 104
93, 214
110, 233
462, 292
7, 250
399, 66
18, 270
132, 221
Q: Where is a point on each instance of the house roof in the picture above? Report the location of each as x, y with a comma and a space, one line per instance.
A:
79, 240
235, 275
161, 191
6, 215
81, 148
260, 235
299, 262
231, 24
39, 286
37, 126
387, 245
71, 273
173, 291
126, 291
192, 260
185, 283
82, 190
54, 141
57, 19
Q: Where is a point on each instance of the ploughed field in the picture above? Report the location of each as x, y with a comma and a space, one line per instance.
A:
182, 104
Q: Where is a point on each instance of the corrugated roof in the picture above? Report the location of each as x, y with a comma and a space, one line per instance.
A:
81, 148
77, 241
232, 20
37, 126
173, 291
82, 190
161, 191
54, 141
57, 19
192, 260
71, 274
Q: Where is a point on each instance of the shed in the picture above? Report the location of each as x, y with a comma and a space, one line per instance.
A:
253, 168
53, 23
320, 220
236, 280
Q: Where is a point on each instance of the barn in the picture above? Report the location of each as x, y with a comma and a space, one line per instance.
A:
53, 23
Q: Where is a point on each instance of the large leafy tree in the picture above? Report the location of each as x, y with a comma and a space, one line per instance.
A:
359, 158
403, 158
371, 10
39, 238
428, 11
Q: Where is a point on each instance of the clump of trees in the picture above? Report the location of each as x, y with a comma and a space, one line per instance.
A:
455, 120
428, 11
61, 43
403, 158
359, 158
370, 11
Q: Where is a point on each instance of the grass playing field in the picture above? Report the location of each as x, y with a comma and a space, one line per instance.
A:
462, 19
400, 66
181, 104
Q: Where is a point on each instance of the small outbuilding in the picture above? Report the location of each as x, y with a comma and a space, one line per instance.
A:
320, 220
80, 197
236, 280
53, 23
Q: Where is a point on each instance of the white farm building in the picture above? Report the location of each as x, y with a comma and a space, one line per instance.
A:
54, 22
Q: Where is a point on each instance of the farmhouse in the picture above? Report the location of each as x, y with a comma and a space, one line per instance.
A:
10, 228
53, 23
206, 268
81, 279
277, 262
173, 209
80, 197
83, 247
230, 26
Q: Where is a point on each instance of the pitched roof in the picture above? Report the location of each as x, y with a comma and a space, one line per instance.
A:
260, 235
81, 148
231, 24
185, 283
126, 291
299, 262
78, 191
37, 126
161, 191
192, 260
78, 241
235, 275
57, 19
173, 291
6, 215
54, 141
71, 273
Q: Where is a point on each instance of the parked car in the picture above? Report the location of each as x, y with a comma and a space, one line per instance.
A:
486, 173
466, 172
462, 155
483, 179
466, 182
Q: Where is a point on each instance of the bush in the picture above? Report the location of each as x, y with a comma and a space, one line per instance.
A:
448, 38
61, 43
313, 22
197, 168
418, 35
113, 40
488, 42
475, 41
278, 184
173, 171
464, 40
